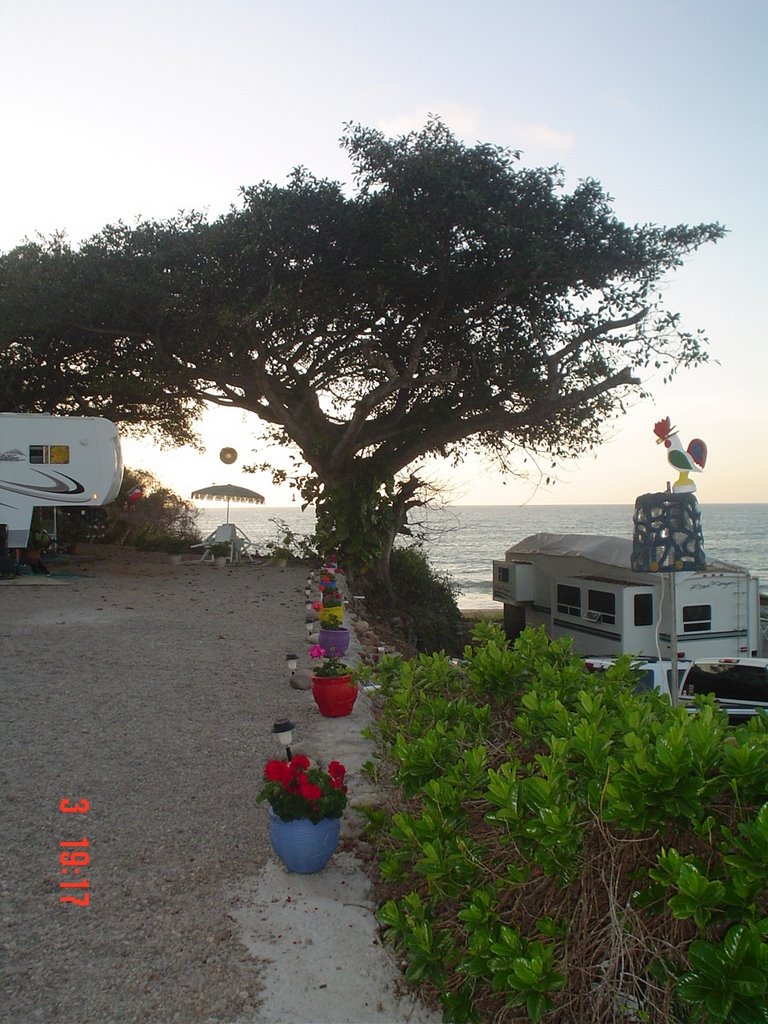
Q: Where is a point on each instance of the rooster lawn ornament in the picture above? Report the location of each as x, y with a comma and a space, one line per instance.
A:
685, 461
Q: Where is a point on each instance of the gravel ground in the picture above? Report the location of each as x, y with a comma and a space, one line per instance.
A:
149, 690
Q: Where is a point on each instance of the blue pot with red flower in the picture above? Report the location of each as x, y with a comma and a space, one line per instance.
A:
305, 807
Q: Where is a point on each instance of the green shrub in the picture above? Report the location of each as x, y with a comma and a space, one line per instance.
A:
426, 602
568, 850
288, 544
149, 523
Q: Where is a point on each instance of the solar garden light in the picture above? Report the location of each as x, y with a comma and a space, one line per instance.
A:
283, 729
291, 661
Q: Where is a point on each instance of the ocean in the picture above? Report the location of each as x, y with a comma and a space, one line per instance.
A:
463, 540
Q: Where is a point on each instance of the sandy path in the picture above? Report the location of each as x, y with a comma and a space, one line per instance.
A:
150, 690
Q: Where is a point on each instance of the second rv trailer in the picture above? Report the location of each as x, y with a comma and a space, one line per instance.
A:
582, 587
54, 461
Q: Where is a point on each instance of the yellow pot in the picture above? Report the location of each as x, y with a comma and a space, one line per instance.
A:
331, 616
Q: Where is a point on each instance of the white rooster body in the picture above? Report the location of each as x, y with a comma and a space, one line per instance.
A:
685, 460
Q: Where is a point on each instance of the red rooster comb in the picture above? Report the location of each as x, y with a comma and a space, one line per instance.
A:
664, 428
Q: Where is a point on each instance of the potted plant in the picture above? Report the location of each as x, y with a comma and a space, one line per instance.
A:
332, 610
333, 689
174, 545
334, 638
282, 549
306, 802
279, 554
220, 552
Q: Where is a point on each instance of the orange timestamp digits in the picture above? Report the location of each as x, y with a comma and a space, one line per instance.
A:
74, 857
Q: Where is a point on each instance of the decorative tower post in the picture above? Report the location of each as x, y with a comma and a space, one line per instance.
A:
667, 534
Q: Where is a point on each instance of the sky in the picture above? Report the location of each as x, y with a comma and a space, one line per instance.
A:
114, 111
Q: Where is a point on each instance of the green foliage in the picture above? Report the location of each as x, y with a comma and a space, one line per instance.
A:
525, 972
159, 521
568, 849
728, 980
424, 599
97, 309
289, 544
354, 516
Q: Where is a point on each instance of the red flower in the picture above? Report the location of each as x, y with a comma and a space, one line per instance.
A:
298, 789
276, 771
311, 791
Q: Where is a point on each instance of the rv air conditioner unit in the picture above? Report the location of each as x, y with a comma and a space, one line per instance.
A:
514, 581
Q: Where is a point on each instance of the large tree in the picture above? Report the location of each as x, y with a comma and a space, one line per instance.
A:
451, 301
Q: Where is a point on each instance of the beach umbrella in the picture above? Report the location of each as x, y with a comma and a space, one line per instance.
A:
228, 492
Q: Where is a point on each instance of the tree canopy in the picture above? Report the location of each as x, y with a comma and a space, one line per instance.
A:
450, 300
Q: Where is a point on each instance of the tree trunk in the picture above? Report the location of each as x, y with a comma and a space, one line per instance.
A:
402, 502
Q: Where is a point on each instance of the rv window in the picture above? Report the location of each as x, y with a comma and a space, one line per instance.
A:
44, 454
603, 604
697, 618
568, 600
59, 454
643, 609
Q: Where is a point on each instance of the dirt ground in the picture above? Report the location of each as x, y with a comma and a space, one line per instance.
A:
148, 690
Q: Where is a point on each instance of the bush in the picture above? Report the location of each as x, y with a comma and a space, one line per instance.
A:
151, 522
568, 849
424, 600
289, 544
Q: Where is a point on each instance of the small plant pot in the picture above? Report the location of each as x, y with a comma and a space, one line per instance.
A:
302, 846
335, 696
334, 640
220, 561
330, 617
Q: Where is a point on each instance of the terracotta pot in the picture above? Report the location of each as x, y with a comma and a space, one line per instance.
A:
335, 696
334, 640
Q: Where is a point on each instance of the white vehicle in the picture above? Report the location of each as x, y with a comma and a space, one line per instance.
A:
740, 685
54, 461
652, 673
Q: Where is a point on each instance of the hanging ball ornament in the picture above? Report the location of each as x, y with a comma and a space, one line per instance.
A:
228, 456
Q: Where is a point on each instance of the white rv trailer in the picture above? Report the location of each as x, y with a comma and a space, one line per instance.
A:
582, 587
54, 461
